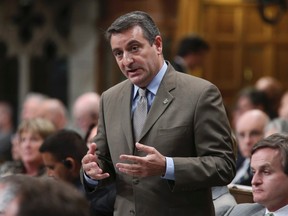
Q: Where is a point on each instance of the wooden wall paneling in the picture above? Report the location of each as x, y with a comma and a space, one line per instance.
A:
281, 64
225, 61
222, 27
280, 38
244, 47
253, 62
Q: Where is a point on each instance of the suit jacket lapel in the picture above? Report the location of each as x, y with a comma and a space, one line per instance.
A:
126, 115
162, 100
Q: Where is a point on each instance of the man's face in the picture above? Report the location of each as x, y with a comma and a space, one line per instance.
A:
137, 59
269, 183
248, 134
55, 168
249, 130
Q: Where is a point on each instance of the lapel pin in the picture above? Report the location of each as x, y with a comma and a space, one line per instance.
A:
165, 101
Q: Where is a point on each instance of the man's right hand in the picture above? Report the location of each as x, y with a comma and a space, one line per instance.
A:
90, 165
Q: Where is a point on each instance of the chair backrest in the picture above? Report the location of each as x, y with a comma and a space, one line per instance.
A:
241, 193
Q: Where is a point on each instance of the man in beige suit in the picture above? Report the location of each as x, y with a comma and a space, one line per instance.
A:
185, 146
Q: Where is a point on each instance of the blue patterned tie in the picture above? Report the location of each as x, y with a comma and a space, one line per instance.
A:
140, 114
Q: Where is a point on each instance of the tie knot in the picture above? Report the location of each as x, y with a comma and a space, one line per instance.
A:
142, 92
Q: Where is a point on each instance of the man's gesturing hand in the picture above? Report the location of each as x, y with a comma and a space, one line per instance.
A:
153, 164
90, 165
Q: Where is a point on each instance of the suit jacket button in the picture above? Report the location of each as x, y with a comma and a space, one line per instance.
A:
132, 212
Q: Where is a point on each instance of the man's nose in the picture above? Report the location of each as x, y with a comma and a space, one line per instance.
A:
256, 179
127, 58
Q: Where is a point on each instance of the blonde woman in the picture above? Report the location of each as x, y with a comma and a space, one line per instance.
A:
32, 133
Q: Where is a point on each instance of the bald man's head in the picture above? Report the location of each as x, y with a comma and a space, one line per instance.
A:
54, 110
250, 129
86, 110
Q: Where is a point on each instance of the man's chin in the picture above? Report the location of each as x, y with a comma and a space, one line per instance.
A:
258, 199
136, 81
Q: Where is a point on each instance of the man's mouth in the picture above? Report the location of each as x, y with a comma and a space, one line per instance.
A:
132, 70
257, 190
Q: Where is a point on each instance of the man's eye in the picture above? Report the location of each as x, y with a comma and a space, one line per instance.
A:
117, 54
266, 172
135, 48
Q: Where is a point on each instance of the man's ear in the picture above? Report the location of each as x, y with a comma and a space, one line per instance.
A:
158, 44
69, 163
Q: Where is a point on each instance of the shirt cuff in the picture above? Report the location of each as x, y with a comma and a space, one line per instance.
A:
90, 182
170, 173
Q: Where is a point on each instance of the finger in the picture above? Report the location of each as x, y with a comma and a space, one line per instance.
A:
130, 169
144, 148
92, 169
97, 176
102, 176
131, 158
92, 148
89, 158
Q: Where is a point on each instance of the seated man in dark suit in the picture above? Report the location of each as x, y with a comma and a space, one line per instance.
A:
269, 163
192, 52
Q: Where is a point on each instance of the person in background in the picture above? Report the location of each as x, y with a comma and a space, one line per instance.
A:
26, 196
247, 99
191, 53
62, 153
269, 164
31, 105
274, 91
277, 125
185, 147
6, 131
283, 108
30, 109
86, 111
250, 128
32, 133
54, 110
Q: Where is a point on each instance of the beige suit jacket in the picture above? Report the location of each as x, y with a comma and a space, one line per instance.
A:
187, 121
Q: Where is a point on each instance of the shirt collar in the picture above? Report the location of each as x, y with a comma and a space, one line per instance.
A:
280, 212
155, 83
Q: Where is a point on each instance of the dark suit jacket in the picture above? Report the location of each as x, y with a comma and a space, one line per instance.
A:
251, 209
187, 121
246, 179
179, 67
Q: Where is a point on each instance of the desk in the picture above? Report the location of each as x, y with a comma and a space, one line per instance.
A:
241, 193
